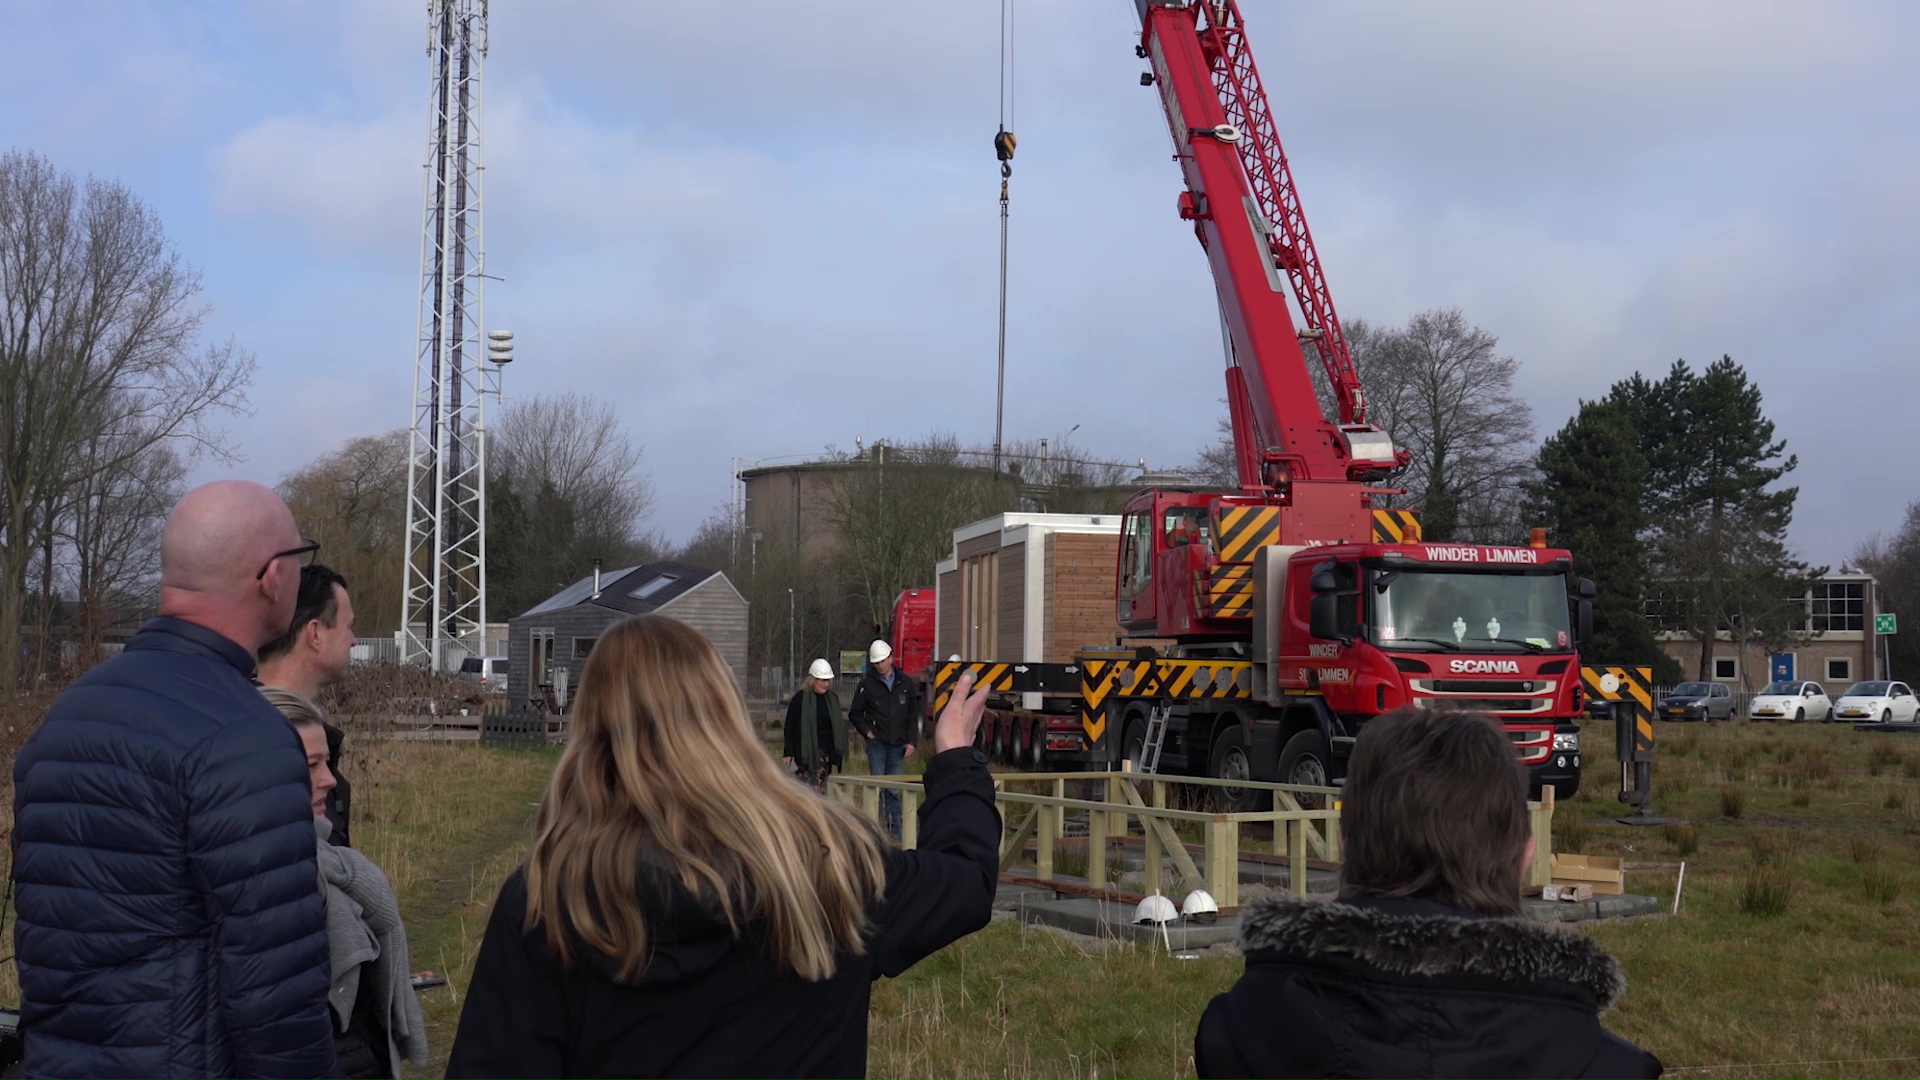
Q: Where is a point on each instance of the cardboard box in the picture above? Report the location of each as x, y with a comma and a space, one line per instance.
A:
1568, 893
1607, 875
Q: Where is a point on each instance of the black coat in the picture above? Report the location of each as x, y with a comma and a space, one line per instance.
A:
1403, 987
707, 1004
891, 716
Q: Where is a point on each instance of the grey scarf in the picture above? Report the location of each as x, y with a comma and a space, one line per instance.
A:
369, 947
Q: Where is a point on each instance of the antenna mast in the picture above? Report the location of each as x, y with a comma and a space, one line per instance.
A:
444, 607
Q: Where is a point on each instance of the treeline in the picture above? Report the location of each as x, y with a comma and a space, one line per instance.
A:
890, 514
108, 395
564, 487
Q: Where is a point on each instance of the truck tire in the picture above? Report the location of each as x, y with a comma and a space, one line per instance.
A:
1037, 746
1017, 754
1306, 759
1233, 760
1134, 744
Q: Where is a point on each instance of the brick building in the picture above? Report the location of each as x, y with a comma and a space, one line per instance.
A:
1838, 647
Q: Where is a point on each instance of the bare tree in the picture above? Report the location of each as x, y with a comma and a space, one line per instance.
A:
896, 511
112, 527
353, 501
564, 487
98, 346
1445, 393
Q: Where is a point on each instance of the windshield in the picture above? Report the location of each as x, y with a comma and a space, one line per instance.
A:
1868, 689
1690, 689
1413, 609
1780, 689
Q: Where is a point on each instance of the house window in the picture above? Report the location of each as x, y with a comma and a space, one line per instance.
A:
1726, 667
1839, 605
1839, 669
650, 589
582, 646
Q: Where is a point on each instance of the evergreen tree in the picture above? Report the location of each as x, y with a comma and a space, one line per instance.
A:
1590, 495
1717, 528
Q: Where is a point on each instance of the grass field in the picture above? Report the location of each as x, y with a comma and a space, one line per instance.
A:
1796, 951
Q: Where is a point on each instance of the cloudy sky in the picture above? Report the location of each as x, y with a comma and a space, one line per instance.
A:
762, 227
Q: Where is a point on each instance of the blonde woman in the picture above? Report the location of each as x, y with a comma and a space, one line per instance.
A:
688, 910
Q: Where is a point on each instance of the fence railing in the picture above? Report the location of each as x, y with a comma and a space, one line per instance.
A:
1299, 834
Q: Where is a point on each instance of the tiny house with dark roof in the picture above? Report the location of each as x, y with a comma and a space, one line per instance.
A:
560, 631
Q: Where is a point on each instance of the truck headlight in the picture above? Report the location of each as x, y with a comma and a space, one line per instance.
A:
1567, 742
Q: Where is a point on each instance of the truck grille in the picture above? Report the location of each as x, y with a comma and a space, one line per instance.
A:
1485, 686
1493, 706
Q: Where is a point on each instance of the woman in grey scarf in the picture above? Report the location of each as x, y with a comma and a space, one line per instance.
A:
376, 1014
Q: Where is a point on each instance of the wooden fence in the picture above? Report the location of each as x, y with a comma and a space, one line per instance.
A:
1300, 835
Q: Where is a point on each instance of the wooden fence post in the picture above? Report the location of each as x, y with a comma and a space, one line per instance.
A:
1097, 849
910, 818
1297, 856
1043, 859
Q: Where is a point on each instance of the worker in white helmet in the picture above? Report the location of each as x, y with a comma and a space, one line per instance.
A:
816, 730
886, 713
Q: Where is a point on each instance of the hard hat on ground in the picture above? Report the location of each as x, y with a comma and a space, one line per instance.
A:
1155, 909
820, 669
1199, 907
879, 651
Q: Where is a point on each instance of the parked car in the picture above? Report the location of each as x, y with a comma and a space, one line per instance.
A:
1796, 701
1887, 702
489, 671
1696, 701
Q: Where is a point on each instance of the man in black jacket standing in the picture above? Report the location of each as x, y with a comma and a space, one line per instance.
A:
1424, 966
886, 711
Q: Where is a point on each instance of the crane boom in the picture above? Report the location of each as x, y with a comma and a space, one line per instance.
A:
1246, 212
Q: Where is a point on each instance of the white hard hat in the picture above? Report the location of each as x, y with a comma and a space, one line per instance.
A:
1155, 909
820, 669
1200, 907
879, 651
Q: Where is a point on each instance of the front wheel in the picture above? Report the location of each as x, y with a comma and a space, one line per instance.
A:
1799, 716
1306, 760
1886, 717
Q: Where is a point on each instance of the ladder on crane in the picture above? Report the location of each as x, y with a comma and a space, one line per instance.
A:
1157, 718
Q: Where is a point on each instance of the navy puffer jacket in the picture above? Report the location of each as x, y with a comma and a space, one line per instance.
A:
170, 918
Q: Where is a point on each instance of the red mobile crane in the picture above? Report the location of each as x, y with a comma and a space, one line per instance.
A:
1284, 615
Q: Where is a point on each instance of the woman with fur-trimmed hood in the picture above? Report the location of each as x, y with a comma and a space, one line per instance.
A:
1424, 966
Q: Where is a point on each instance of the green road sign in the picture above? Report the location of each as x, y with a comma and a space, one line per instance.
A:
1883, 624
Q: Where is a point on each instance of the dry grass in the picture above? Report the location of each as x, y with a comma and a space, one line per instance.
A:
1795, 942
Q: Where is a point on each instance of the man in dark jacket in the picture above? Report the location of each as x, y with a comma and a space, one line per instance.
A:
313, 654
886, 713
1424, 966
170, 918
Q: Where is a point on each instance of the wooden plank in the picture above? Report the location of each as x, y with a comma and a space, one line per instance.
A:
910, 818
1097, 849
1169, 839
1018, 842
1297, 857
1050, 820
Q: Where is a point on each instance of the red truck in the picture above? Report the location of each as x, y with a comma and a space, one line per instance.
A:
1258, 630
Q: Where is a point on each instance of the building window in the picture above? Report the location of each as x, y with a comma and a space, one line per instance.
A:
1666, 611
1726, 667
582, 646
1839, 605
1839, 669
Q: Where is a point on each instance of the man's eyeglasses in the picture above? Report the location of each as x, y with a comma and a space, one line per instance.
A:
306, 553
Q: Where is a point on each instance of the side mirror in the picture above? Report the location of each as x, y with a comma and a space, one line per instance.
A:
1583, 620
1325, 583
1587, 591
1323, 612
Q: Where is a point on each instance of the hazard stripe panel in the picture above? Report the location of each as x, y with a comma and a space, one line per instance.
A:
1239, 531
1396, 527
1615, 683
1228, 590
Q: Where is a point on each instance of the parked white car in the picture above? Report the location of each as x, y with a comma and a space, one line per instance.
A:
1795, 701
1883, 701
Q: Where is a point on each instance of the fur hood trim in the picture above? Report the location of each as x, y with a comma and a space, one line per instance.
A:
1513, 950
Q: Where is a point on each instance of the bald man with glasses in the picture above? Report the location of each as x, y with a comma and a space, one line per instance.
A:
170, 918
